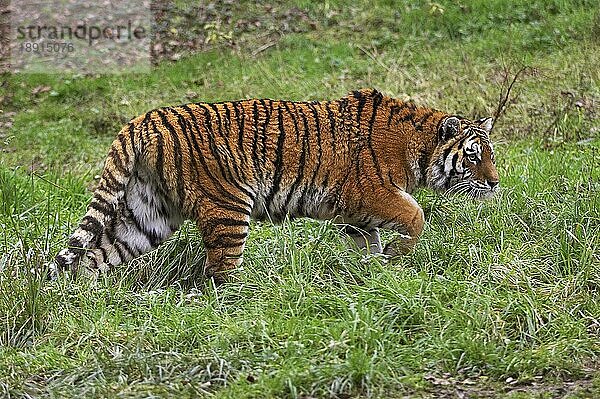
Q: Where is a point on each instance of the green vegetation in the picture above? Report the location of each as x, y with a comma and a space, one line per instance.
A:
500, 298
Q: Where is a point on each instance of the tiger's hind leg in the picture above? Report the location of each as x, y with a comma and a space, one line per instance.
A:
224, 231
141, 219
365, 239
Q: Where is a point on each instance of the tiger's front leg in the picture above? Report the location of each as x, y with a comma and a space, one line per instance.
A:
367, 240
395, 210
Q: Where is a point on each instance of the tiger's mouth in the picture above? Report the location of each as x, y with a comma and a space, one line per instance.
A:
474, 189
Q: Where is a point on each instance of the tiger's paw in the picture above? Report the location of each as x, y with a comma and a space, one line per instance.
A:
221, 277
63, 265
70, 265
53, 272
399, 247
379, 256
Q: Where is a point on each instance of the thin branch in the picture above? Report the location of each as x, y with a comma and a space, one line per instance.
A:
263, 48
378, 60
42, 178
505, 93
374, 58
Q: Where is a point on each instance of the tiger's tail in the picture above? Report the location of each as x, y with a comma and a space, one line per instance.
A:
132, 210
96, 225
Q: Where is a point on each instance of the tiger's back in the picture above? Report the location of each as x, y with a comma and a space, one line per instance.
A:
222, 163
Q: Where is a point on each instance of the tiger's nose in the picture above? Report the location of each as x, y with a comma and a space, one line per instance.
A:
493, 183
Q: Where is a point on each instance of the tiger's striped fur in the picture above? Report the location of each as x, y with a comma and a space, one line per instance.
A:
355, 160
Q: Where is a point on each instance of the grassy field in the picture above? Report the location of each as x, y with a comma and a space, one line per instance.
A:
499, 299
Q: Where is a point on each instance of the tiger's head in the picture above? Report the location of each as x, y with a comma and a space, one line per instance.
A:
463, 161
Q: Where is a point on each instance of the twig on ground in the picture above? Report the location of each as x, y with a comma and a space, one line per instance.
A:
263, 48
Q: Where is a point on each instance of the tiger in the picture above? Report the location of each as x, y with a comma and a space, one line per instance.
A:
355, 161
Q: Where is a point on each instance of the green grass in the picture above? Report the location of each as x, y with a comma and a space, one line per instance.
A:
495, 293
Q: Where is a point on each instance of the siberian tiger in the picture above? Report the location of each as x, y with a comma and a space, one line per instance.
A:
355, 160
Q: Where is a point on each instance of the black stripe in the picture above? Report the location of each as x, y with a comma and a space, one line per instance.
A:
224, 245
192, 132
342, 104
361, 104
177, 154
133, 252
240, 118
196, 124
75, 245
145, 131
121, 138
110, 180
91, 224
445, 154
130, 250
187, 132
318, 134
132, 138
454, 161
104, 255
233, 256
459, 145
228, 240
423, 120
376, 102
104, 210
235, 236
393, 111
114, 155
364, 221
218, 117
255, 114
268, 111
207, 121
296, 130
331, 118
396, 109
101, 200
356, 231
409, 115
302, 200
227, 118
225, 221
159, 154
278, 160
393, 183
199, 157
301, 167
222, 192
113, 241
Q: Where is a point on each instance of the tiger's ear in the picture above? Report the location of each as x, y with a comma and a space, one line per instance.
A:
485, 123
449, 128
